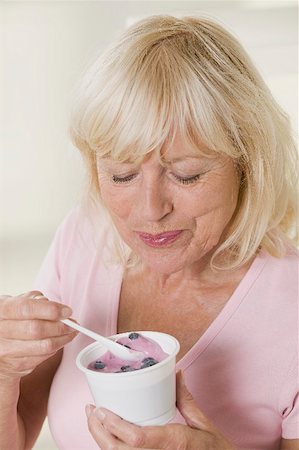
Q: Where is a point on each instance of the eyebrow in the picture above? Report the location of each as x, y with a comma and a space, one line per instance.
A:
114, 162
182, 158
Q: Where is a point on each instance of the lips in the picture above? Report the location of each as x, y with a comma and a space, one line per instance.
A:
160, 240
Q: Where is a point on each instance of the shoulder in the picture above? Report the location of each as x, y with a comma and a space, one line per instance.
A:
75, 220
83, 229
276, 295
278, 282
283, 271
273, 294
272, 312
80, 240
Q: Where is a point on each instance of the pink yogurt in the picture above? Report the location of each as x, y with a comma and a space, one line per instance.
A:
152, 351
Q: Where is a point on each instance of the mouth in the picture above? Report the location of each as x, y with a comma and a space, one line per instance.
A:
161, 239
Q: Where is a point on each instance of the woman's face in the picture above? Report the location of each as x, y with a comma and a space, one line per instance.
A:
173, 215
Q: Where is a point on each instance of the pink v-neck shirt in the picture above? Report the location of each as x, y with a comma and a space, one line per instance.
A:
243, 371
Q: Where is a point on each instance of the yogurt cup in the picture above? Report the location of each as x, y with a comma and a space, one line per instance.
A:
144, 397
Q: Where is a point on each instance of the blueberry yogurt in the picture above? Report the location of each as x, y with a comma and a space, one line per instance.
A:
110, 363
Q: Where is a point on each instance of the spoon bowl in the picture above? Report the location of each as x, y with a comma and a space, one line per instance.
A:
117, 349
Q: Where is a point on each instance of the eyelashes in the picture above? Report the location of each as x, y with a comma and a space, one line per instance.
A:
125, 179
187, 180
183, 180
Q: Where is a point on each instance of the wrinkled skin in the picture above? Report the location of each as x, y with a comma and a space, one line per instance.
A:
30, 332
191, 193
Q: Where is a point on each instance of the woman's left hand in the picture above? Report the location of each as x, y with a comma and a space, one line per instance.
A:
112, 432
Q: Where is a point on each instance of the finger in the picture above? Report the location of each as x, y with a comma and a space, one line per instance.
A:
32, 294
188, 407
15, 348
148, 437
35, 295
101, 435
32, 329
24, 307
132, 434
23, 365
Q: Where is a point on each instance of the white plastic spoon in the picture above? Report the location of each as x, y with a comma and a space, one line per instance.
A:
117, 349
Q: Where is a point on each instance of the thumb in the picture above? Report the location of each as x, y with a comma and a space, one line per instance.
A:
188, 407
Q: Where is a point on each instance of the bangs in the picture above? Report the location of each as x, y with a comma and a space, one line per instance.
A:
152, 96
167, 76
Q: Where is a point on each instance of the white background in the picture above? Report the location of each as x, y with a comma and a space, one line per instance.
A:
45, 48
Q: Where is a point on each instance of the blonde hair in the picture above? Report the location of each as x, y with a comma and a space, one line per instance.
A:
169, 74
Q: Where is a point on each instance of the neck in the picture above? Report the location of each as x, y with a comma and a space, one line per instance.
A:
199, 275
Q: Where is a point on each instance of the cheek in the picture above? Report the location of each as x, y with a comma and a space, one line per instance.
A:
215, 210
116, 203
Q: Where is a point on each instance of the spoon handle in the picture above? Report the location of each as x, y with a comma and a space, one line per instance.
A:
83, 330
114, 347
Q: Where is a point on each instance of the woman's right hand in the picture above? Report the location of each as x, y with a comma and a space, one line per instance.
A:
30, 332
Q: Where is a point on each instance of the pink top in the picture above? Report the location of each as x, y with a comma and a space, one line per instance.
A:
242, 371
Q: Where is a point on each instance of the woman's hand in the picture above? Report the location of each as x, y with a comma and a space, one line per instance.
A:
30, 332
111, 432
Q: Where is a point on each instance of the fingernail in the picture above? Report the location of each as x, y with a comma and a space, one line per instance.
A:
66, 312
88, 409
100, 414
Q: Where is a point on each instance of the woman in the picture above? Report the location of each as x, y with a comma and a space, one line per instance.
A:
190, 162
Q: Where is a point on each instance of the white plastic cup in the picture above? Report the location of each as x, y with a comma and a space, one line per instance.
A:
143, 397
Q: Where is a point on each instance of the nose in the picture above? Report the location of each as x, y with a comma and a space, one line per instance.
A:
155, 202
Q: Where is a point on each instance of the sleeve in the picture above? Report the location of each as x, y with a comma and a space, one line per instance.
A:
48, 279
290, 413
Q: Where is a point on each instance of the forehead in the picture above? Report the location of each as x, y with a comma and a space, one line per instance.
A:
180, 148
175, 148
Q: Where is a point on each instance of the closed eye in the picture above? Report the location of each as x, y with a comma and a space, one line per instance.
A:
125, 179
187, 180
183, 180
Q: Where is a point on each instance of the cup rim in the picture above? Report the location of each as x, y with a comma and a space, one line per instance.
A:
135, 372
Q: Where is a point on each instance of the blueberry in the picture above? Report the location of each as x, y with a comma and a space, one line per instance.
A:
148, 362
99, 365
133, 336
149, 358
126, 369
